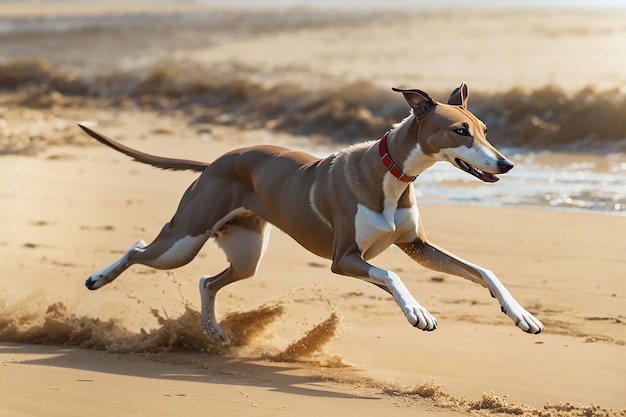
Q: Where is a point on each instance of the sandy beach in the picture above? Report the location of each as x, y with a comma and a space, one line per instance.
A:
306, 340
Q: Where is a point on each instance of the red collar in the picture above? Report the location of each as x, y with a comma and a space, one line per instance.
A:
389, 164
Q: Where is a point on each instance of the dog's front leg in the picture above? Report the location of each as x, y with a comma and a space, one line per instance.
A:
355, 266
435, 258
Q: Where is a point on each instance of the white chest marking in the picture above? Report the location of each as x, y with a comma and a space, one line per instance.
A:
375, 232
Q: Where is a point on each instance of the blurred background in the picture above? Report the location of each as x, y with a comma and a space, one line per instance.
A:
547, 77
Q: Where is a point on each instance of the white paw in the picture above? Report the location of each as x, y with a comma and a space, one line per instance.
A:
522, 318
419, 317
215, 333
104, 276
96, 281
108, 274
211, 327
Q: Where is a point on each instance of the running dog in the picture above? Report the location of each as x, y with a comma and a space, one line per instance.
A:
348, 207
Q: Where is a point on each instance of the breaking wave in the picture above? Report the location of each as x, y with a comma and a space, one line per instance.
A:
547, 118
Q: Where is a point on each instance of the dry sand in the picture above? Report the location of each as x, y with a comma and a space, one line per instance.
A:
70, 210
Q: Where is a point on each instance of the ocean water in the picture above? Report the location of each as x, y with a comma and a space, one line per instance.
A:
572, 186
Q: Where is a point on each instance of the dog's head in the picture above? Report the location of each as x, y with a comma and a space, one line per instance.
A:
450, 132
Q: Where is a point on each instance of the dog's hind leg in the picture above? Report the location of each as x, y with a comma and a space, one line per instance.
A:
175, 246
169, 250
244, 240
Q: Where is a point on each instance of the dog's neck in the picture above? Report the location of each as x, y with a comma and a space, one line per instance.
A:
403, 147
389, 163
368, 173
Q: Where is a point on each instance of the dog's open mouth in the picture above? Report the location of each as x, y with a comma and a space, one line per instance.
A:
481, 175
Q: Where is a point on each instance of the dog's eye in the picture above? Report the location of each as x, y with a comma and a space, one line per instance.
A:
462, 131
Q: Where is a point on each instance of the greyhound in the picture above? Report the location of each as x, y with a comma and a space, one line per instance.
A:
348, 207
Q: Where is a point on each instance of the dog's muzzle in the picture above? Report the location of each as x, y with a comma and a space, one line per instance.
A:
504, 166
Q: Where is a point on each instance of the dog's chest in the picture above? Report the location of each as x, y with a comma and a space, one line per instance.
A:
375, 232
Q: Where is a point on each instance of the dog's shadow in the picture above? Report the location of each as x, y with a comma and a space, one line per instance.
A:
211, 369
177, 350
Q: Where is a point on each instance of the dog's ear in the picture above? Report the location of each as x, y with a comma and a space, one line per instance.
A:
420, 102
459, 96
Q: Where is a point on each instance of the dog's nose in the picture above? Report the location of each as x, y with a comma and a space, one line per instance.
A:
504, 165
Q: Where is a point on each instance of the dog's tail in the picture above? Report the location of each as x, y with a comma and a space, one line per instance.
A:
156, 161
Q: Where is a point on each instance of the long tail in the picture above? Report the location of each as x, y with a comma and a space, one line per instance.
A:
156, 161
